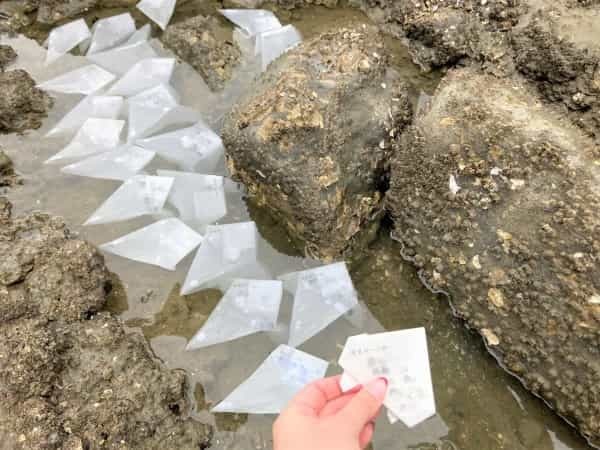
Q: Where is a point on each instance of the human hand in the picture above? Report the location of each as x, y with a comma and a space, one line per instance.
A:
322, 417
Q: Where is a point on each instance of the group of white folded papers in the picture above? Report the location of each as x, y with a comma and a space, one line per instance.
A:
130, 115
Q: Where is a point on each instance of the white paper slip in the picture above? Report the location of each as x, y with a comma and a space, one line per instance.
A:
252, 21
95, 136
199, 199
196, 148
148, 107
347, 383
85, 80
402, 358
138, 196
278, 379
120, 164
143, 34
164, 243
230, 250
321, 296
159, 11
65, 38
92, 106
248, 307
272, 44
110, 32
119, 60
145, 74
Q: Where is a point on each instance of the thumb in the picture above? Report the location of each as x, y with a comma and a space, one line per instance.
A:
365, 405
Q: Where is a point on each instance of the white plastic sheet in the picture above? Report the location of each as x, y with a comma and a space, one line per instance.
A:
120, 164
278, 379
143, 34
176, 117
322, 295
159, 11
120, 59
110, 32
95, 136
272, 44
144, 75
85, 80
199, 199
93, 106
196, 148
252, 21
227, 250
402, 358
65, 38
164, 243
248, 307
138, 196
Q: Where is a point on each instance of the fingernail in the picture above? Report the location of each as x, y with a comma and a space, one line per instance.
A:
377, 388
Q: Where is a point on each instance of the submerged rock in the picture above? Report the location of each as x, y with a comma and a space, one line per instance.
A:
201, 42
516, 243
22, 105
313, 138
7, 56
7, 173
71, 377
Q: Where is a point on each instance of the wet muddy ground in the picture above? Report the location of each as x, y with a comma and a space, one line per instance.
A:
479, 405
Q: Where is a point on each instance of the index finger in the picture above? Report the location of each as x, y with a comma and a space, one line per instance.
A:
313, 397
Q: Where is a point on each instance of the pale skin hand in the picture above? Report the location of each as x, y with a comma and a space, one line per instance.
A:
321, 417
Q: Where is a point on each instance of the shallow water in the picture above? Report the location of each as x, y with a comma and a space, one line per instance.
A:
480, 407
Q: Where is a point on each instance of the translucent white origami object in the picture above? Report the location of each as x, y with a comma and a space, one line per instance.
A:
322, 295
65, 38
402, 358
272, 44
147, 108
199, 199
120, 59
159, 11
138, 196
278, 379
119, 164
85, 80
95, 136
163, 244
248, 307
252, 21
176, 117
93, 106
144, 75
227, 250
110, 32
143, 34
196, 148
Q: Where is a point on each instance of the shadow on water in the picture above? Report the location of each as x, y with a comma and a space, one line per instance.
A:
480, 406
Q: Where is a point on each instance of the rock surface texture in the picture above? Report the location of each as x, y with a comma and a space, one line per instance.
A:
70, 378
312, 141
22, 105
514, 238
201, 42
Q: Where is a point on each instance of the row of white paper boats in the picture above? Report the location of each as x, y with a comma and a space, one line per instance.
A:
126, 74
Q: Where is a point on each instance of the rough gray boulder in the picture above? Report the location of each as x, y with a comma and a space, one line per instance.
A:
202, 42
7, 56
514, 235
71, 378
312, 140
22, 105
